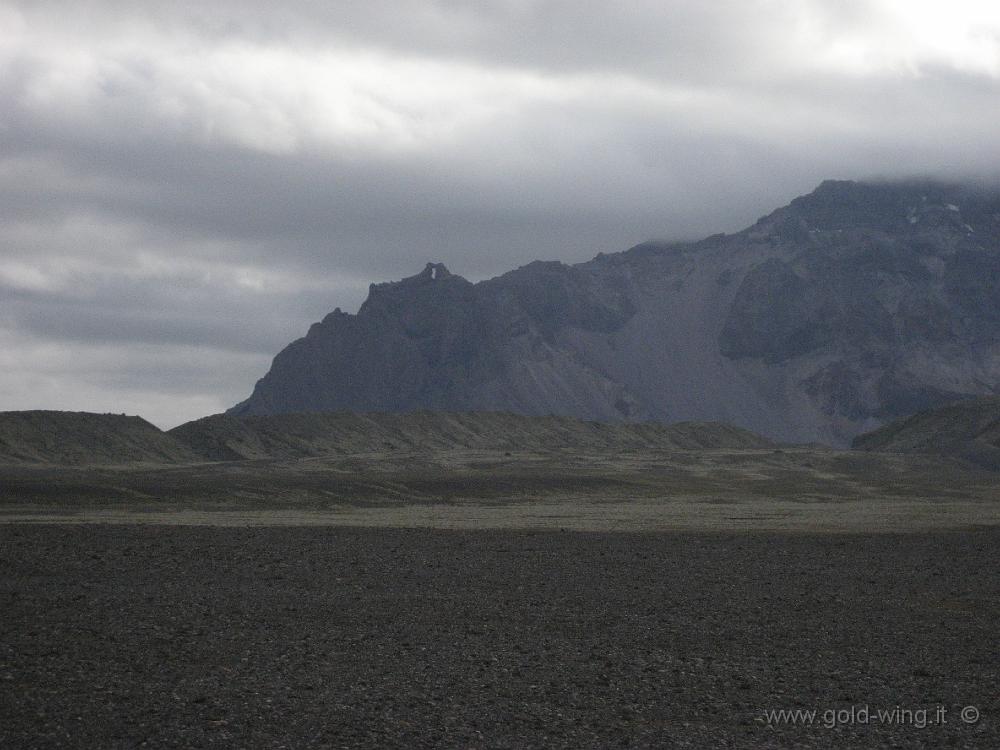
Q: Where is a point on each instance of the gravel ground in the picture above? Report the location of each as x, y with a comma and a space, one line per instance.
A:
164, 636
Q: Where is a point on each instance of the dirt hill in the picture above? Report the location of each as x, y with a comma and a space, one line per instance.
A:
83, 438
969, 429
285, 436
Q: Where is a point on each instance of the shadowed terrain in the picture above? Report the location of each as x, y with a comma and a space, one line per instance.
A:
288, 436
329, 637
83, 438
966, 429
492, 471
491, 581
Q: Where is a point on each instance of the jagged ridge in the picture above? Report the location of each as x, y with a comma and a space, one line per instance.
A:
849, 307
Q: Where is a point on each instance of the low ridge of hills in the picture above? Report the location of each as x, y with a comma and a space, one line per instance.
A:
289, 436
846, 309
965, 429
83, 439
86, 439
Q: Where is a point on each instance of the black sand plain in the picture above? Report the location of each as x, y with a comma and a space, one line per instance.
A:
319, 636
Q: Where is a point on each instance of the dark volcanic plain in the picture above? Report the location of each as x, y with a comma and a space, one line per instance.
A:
492, 581
169, 636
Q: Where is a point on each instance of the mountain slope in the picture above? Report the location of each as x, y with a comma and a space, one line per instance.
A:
969, 429
289, 436
847, 308
83, 438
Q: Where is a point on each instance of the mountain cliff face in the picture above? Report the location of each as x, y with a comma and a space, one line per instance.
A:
852, 306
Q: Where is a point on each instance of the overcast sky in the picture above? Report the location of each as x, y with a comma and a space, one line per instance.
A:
187, 185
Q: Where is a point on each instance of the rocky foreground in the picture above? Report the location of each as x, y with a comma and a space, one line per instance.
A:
114, 636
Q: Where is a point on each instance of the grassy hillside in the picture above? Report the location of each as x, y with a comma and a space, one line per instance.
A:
286, 436
970, 429
82, 438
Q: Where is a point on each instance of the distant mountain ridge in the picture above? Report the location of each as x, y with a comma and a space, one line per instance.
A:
851, 306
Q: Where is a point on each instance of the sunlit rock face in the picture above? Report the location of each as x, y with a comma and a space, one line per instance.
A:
849, 307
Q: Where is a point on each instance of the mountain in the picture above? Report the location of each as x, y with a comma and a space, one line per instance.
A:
850, 307
967, 429
82, 439
291, 436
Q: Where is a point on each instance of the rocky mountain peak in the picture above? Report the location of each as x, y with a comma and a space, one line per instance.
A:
912, 206
433, 272
852, 305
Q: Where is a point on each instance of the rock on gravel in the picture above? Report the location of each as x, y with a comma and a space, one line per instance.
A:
114, 636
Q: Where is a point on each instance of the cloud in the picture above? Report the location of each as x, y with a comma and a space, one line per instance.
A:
166, 384
212, 177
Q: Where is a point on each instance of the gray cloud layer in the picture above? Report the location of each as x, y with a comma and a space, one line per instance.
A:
185, 186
